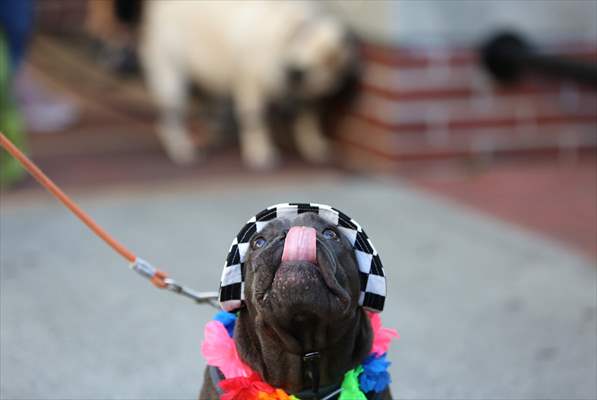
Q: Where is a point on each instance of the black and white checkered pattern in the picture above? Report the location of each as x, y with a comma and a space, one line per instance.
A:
373, 281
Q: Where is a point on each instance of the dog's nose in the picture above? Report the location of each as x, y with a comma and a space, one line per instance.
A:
300, 244
295, 75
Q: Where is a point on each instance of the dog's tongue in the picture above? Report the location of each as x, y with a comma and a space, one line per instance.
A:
300, 245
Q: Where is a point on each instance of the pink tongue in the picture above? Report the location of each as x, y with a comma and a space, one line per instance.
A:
300, 245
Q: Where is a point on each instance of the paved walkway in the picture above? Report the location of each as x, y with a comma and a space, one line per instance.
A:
485, 310
556, 197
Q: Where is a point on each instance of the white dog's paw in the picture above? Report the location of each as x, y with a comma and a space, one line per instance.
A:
310, 141
317, 151
182, 155
313, 146
180, 149
260, 156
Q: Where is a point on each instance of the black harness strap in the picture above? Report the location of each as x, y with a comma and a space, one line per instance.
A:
311, 372
331, 392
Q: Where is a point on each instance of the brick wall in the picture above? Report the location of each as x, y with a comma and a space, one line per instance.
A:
439, 103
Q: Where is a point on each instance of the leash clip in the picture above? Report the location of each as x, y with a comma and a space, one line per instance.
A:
199, 297
161, 280
150, 272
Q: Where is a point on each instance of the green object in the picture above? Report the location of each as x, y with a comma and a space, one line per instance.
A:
11, 123
350, 385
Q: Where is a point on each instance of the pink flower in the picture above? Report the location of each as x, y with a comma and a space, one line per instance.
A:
220, 351
381, 336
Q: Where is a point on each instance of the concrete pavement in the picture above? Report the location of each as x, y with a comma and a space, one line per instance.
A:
485, 310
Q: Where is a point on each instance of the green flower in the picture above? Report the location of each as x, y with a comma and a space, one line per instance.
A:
350, 385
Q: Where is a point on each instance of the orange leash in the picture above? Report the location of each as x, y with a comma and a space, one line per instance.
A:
158, 278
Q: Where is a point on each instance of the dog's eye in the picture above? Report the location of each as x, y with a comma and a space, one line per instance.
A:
330, 234
258, 242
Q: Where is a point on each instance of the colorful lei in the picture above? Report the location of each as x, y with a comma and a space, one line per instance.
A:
242, 383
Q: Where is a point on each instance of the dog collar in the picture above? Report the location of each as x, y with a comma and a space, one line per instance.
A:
373, 281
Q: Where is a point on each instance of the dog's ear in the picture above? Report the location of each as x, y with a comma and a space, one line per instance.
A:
338, 103
354, 70
355, 44
248, 343
364, 338
351, 75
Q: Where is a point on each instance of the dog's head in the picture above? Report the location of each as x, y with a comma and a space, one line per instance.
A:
300, 273
319, 58
302, 259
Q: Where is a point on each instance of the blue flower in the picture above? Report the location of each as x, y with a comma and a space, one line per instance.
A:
228, 320
375, 375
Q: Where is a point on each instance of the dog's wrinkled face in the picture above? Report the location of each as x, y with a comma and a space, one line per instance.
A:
318, 58
301, 270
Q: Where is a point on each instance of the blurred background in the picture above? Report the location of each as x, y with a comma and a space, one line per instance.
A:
466, 146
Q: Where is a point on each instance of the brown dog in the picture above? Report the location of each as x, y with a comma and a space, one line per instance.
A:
301, 295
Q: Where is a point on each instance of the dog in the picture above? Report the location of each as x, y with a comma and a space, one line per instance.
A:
302, 294
111, 25
257, 53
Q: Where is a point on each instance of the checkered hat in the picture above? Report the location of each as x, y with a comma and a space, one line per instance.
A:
373, 281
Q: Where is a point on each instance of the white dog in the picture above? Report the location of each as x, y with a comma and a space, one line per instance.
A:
256, 52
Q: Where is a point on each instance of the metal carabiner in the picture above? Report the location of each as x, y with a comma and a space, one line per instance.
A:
198, 297
161, 280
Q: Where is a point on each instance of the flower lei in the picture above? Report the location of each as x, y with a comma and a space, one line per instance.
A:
242, 383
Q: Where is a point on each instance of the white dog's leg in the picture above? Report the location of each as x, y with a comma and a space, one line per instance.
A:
257, 148
310, 141
175, 138
168, 86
